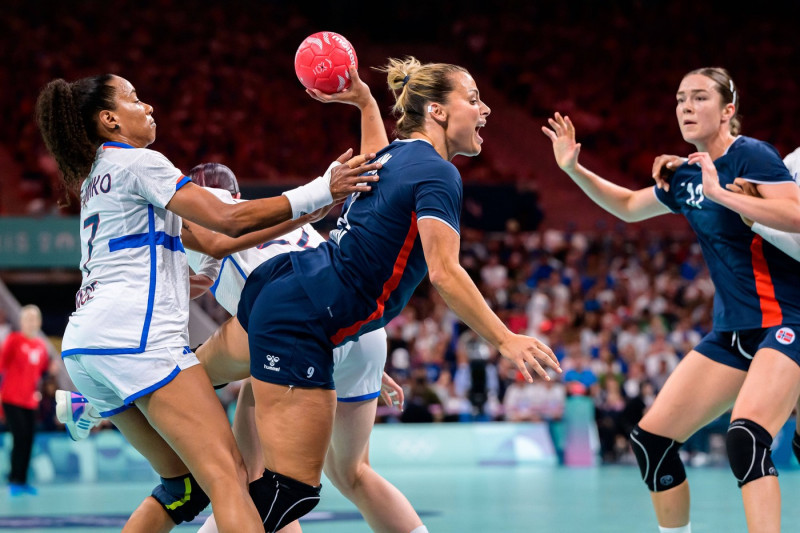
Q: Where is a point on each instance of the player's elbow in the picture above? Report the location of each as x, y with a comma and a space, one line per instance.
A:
233, 224
441, 275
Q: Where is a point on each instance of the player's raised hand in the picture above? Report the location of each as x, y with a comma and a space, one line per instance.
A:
664, 167
711, 186
522, 350
565, 149
358, 94
345, 180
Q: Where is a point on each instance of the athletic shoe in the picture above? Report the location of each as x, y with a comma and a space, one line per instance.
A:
16, 489
76, 413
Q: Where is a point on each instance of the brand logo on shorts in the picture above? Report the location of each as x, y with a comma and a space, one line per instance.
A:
272, 360
785, 336
666, 480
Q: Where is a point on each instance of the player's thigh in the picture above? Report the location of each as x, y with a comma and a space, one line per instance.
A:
245, 433
349, 448
190, 418
770, 390
226, 355
294, 425
698, 391
141, 435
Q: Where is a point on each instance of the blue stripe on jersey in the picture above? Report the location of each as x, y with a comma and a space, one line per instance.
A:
361, 398
213, 288
117, 145
112, 412
151, 241
183, 181
241, 271
170, 242
155, 386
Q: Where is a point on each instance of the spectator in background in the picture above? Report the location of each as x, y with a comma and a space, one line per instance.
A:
5, 326
525, 402
422, 403
579, 379
23, 360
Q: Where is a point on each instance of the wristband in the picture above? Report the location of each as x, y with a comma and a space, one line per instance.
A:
311, 196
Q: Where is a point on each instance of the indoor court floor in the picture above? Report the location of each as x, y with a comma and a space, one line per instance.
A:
485, 499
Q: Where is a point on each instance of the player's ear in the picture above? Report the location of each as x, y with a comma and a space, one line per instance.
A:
436, 111
728, 111
107, 120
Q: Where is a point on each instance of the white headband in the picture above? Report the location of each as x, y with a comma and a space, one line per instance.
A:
733, 91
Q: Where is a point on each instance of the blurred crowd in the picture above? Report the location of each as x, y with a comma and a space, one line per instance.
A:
224, 90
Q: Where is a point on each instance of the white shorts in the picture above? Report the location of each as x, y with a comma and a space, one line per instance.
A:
358, 367
113, 382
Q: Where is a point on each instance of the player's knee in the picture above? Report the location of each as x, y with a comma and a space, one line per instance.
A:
181, 497
658, 459
346, 478
749, 451
281, 500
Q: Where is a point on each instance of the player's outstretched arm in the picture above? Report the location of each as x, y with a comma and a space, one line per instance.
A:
339, 181
217, 245
441, 246
373, 133
628, 205
777, 207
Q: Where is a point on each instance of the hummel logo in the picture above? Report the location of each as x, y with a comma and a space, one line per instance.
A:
272, 359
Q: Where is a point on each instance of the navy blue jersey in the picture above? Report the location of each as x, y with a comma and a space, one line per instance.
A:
757, 285
367, 271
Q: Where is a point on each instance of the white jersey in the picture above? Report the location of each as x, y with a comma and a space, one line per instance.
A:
788, 243
134, 296
792, 162
230, 273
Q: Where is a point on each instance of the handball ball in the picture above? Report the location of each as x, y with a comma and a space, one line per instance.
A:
322, 60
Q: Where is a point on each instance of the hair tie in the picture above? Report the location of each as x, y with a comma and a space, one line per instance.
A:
405, 80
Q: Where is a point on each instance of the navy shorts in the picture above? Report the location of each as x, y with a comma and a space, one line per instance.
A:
737, 348
288, 342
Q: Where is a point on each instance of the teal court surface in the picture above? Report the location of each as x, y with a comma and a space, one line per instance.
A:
492, 498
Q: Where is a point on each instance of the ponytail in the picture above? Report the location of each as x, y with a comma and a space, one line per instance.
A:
67, 117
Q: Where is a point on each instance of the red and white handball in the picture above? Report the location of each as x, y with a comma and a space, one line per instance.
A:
322, 60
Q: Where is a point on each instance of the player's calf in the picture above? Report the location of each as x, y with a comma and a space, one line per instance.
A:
281, 500
749, 451
658, 459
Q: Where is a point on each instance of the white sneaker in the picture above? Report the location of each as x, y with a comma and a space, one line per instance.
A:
76, 413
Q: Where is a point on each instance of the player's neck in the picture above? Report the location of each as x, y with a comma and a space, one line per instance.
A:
438, 143
717, 146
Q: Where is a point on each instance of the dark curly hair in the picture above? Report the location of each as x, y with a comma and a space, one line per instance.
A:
67, 117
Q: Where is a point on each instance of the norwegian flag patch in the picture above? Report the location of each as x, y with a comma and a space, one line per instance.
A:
785, 336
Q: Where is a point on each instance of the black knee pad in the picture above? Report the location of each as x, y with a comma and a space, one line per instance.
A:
796, 446
749, 451
181, 497
658, 459
281, 500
